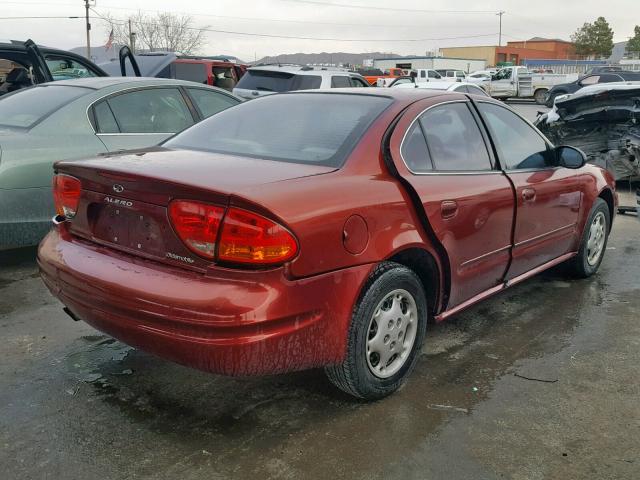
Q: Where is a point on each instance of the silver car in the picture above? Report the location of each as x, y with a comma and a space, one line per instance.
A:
74, 119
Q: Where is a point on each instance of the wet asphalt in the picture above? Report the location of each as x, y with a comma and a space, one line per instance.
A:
539, 382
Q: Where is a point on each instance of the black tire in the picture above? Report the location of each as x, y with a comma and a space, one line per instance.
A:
354, 375
540, 96
580, 265
552, 98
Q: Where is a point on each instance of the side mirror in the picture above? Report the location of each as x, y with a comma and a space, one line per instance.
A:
570, 157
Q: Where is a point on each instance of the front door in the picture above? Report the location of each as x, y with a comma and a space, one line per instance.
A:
502, 84
548, 196
468, 203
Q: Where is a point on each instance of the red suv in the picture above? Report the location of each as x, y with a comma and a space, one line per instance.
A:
216, 71
320, 228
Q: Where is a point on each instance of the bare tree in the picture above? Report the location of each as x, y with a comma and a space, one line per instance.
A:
166, 32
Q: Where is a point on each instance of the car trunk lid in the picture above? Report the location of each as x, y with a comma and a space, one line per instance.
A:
124, 198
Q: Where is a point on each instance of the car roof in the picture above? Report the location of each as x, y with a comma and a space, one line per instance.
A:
303, 70
98, 83
402, 95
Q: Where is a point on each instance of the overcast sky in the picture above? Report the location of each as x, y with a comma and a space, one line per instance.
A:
379, 25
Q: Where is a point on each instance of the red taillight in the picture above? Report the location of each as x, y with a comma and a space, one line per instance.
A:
66, 195
253, 239
197, 225
245, 237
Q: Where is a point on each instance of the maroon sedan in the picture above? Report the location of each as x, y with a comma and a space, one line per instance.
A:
320, 230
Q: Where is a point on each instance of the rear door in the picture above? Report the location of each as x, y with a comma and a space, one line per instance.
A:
442, 152
548, 196
141, 118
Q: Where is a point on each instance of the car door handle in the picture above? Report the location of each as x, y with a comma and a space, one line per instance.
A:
448, 209
528, 194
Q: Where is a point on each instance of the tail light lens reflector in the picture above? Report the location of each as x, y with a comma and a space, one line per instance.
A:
66, 195
250, 238
197, 225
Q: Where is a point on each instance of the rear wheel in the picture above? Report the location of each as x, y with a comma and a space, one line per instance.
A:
594, 241
540, 96
386, 334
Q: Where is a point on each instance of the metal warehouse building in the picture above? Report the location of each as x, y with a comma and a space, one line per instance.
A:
409, 63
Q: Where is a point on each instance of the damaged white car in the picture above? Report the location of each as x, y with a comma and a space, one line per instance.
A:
603, 121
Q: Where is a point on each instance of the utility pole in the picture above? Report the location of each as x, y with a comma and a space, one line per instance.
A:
86, 7
132, 39
500, 13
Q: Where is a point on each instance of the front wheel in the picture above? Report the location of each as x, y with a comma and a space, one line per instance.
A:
594, 241
386, 334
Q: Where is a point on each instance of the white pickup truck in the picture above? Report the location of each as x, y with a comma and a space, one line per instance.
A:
421, 75
510, 82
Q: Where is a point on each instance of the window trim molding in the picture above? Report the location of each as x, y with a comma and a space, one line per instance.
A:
492, 170
90, 111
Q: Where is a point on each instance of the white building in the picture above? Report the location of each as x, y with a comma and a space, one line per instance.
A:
436, 63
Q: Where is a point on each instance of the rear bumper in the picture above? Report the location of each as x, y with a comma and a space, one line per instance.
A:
228, 322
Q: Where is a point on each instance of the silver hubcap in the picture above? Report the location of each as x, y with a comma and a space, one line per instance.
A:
391, 333
597, 236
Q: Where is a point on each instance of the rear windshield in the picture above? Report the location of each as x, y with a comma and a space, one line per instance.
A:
267, 81
319, 129
25, 108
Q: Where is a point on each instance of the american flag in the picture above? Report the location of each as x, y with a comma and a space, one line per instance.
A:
109, 43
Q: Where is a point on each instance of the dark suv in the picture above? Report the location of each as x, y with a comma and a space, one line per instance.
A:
23, 64
590, 79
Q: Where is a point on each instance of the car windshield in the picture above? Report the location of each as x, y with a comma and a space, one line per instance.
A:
25, 108
270, 81
315, 128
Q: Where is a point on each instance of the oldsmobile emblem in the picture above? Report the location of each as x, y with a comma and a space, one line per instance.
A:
118, 188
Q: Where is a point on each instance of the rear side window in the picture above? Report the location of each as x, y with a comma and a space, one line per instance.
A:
210, 102
414, 150
454, 139
105, 121
155, 110
270, 81
339, 81
518, 143
194, 72
24, 108
319, 129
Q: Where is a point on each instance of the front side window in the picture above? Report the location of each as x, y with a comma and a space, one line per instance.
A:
433, 74
592, 80
210, 102
454, 139
154, 110
519, 145
63, 68
297, 128
358, 82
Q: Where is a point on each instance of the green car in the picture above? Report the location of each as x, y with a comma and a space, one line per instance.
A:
75, 119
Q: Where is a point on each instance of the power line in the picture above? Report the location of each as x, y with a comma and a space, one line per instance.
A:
277, 20
293, 37
393, 9
36, 18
